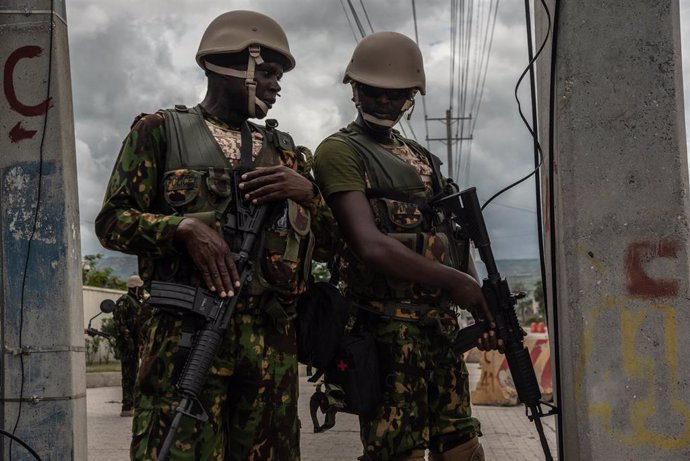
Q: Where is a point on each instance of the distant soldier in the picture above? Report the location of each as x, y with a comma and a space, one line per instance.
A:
129, 317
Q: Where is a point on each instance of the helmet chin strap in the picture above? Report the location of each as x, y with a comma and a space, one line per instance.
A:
381, 121
248, 76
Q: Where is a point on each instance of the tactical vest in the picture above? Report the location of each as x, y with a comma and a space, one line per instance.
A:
197, 182
397, 194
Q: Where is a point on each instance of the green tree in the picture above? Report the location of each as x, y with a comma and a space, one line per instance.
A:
538, 295
93, 276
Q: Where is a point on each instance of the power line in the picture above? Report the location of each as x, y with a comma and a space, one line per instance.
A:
416, 37
361, 2
352, 28
356, 18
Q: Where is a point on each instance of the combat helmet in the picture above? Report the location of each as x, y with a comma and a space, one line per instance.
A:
386, 60
236, 31
134, 281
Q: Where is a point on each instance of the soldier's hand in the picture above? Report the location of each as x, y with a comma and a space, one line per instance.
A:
210, 254
276, 183
467, 293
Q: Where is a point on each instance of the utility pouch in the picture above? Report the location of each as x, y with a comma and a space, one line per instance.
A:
352, 381
356, 370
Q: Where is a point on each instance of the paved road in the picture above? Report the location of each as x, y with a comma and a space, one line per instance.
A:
508, 435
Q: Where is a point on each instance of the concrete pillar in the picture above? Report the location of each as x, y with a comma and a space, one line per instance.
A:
620, 178
40, 300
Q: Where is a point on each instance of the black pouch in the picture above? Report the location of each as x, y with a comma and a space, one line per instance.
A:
355, 369
322, 313
351, 383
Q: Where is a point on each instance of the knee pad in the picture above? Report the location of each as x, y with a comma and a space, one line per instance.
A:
471, 450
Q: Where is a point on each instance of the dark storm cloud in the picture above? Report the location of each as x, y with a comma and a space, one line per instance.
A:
137, 56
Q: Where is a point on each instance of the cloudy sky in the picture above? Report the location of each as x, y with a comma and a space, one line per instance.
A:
132, 56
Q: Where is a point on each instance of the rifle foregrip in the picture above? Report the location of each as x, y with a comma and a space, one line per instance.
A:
525, 379
199, 361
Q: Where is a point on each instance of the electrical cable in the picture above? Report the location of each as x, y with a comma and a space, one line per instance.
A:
480, 90
356, 18
522, 116
537, 177
479, 53
416, 39
34, 226
20, 442
361, 2
552, 223
352, 28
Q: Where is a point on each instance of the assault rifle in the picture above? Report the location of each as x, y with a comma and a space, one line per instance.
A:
465, 210
211, 310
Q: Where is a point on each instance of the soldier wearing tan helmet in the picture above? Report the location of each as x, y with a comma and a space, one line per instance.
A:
403, 264
171, 192
129, 319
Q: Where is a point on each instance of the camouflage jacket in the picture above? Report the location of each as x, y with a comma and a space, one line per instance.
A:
131, 220
399, 182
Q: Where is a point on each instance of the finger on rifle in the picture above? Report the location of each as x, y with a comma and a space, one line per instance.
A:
488, 316
261, 192
216, 280
258, 172
268, 196
206, 275
234, 274
225, 276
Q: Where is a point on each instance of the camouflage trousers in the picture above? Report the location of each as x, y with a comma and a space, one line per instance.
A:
129, 363
250, 395
426, 392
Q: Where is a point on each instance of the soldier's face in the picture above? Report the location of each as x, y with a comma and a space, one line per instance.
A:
267, 76
382, 103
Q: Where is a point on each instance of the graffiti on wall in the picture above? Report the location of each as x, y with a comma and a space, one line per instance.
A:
642, 325
19, 132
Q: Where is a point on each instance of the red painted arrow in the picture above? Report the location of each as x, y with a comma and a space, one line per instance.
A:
18, 133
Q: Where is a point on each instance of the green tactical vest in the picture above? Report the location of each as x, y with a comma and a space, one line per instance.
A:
397, 193
197, 182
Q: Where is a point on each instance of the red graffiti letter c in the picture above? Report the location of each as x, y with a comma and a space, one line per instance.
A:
30, 51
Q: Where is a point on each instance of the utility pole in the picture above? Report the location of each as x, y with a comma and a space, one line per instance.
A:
449, 139
616, 227
42, 375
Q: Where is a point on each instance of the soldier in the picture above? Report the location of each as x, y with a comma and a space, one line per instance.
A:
171, 189
128, 319
402, 262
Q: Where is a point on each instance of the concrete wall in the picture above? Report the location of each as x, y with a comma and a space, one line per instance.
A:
43, 379
621, 228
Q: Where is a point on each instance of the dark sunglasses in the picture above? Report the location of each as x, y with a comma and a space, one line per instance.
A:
375, 92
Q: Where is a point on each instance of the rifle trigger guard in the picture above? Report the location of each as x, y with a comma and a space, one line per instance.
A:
200, 415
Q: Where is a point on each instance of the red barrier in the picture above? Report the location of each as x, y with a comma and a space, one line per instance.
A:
495, 386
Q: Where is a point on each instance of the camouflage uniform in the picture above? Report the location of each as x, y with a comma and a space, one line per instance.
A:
129, 319
251, 391
426, 400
